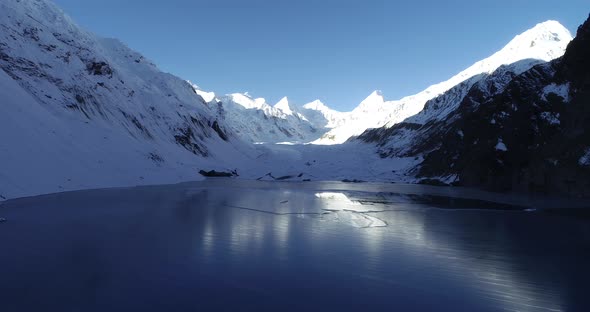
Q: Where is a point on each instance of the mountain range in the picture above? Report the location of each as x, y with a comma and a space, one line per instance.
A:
79, 111
511, 131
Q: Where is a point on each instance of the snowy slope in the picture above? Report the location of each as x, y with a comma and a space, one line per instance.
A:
43, 152
283, 106
80, 111
512, 131
208, 97
406, 139
256, 121
322, 116
544, 42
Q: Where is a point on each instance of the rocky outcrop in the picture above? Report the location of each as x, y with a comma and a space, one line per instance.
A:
218, 174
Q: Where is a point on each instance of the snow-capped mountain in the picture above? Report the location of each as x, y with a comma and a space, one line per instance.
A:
322, 115
283, 106
75, 105
513, 130
208, 97
366, 115
318, 124
256, 121
78, 111
407, 138
546, 41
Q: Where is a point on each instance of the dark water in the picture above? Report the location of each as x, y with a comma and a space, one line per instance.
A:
229, 245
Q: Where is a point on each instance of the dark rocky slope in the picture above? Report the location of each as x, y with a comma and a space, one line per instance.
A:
532, 135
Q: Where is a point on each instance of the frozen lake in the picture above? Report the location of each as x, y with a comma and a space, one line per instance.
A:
238, 245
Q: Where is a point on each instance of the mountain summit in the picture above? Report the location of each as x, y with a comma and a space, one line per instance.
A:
513, 130
283, 106
75, 106
544, 42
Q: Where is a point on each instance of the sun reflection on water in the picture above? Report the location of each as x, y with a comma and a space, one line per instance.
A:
380, 227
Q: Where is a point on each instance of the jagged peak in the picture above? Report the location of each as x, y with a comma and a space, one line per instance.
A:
315, 105
240, 96
539, 42
376, 93
245, 100
283, 105
373, 101
207, 96
260, 101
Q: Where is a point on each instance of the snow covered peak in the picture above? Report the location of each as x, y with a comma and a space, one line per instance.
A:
373, 103
375, 95
546, 41
316, 105
547, 33
260, 102
328, 118
207, 96
243, 99
283, 106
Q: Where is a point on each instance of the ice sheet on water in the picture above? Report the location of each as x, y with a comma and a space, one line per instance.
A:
356, 219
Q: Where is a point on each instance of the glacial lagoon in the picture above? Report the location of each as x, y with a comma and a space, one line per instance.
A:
226, 244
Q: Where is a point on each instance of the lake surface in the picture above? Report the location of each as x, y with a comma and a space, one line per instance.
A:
237, 245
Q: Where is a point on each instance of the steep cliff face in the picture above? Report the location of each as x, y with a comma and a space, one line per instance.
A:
527, 132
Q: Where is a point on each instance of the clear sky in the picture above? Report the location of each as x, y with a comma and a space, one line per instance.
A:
337, 51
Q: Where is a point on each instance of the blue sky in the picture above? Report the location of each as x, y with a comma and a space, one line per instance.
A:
335, 51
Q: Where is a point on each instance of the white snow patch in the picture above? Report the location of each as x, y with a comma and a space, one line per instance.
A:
207, 96
561, 90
